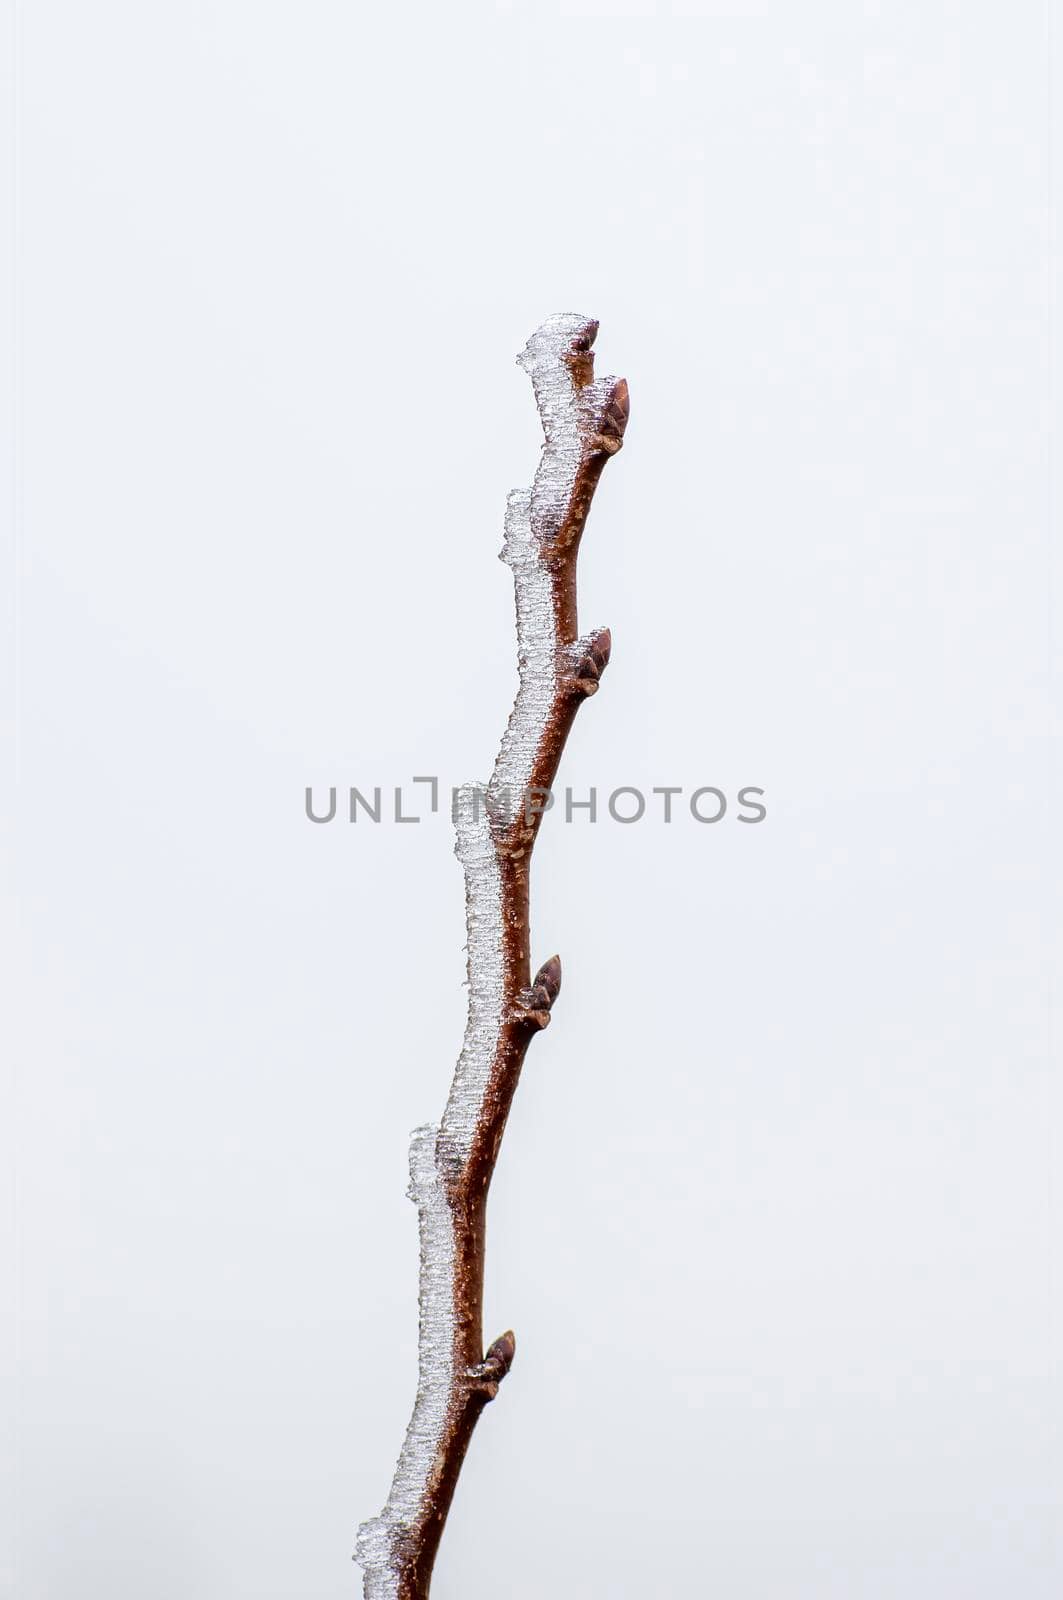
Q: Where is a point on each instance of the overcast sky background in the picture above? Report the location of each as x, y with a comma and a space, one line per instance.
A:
773, 1216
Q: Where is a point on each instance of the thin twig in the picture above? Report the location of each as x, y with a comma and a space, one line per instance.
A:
451, 1164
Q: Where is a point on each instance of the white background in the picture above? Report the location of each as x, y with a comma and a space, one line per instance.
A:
772, 1220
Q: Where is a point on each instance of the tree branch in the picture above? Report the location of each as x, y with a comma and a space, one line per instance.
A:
451, 1164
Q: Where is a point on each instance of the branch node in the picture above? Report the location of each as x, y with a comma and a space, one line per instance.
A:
591, 657
535, 1003
487, 1374
613, 420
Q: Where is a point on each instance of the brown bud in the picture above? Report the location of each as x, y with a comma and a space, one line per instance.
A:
601, 648
488, 1373
547, 982
593, 662
500, 1354
534, 1003
614, 418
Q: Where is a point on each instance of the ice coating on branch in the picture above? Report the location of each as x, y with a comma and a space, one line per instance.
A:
435, 1155
538, 658
376, 1539
572, 408
566, 415
570, 414
486, 974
